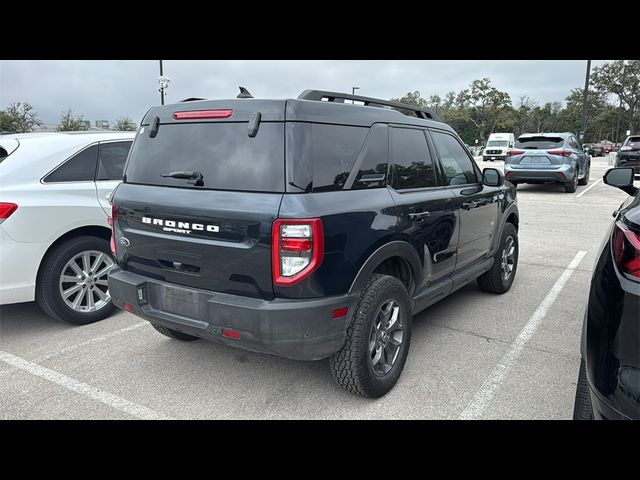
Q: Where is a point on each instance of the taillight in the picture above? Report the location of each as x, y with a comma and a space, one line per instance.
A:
6, 209
112, 220
514, 152
200, 114
297, 249
562, 153
626, 250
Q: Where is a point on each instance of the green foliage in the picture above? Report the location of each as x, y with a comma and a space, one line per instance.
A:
124, 124
18, 118
69, 122
481, 109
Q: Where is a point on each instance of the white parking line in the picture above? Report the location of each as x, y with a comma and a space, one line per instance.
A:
491, 385
588, 188
91, 341
84, 389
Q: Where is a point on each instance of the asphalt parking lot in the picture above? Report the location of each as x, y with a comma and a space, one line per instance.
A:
473, 355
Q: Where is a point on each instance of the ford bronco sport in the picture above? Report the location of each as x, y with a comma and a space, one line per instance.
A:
308, 228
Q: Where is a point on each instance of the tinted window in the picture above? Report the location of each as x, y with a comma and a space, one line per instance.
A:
539, 143
111, 160
333, 150
458, 167
80, 167
632, 141
412, 165
223, 152
372, 171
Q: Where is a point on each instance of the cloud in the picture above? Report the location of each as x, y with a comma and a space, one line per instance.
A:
108, 89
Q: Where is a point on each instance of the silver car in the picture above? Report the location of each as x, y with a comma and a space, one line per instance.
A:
548, 158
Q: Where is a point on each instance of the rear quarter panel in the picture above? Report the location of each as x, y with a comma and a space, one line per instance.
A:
355, 222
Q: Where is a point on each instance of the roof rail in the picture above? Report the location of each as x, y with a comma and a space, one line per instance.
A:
318, 95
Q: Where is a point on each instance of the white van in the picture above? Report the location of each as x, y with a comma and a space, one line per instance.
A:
497, 146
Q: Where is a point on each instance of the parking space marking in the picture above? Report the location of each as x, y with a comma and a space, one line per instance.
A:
588, 188
91, 341
487, 391
84, 389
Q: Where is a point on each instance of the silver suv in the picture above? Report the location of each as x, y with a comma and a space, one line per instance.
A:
548, 158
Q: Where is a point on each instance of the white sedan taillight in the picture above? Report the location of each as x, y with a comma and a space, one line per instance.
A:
297, 249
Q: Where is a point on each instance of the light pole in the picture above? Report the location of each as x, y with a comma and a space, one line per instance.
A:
353, 92
624, 70
164, 83
583, 127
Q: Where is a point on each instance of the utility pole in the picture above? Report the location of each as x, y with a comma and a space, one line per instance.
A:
583, 127
353, 92
161, 86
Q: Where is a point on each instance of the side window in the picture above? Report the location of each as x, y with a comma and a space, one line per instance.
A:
455, 161
111, 160
79, 168
412, 164
334, 149
372, 171
574, 143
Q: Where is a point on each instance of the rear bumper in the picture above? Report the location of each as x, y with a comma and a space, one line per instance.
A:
296, 329
562, 174
19, 263
626, 161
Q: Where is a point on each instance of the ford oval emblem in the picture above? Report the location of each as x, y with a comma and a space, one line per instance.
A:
124, 241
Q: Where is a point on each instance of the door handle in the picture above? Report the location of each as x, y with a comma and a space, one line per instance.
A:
417, 216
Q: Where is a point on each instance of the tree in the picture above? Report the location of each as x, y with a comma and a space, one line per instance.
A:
485, 104
124, 124
411, 98
69, 122
18, 118
624, 82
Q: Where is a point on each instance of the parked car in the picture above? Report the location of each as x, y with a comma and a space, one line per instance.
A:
548, 158
629, 154
54, 235
497, 146
597, 150
607, 146
306, 228
609, 376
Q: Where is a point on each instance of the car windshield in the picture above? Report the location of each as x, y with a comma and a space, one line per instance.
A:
539, 143
497, 143
632, 142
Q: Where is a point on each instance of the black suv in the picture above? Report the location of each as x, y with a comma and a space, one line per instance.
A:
306, 228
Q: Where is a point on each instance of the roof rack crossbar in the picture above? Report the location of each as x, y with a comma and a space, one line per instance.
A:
337, 97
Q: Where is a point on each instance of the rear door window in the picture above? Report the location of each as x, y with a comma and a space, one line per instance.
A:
539, 143
79, 168
223, 153
111, 160
411, 161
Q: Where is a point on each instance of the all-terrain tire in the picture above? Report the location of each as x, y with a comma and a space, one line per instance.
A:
493, 280
351, 365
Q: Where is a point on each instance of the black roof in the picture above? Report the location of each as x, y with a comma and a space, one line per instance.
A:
307, 108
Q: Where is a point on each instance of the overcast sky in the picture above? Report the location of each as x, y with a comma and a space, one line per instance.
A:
106, 89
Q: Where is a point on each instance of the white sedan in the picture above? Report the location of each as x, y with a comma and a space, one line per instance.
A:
54, 234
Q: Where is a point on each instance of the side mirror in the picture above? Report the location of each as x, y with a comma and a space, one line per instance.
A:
492, 177
622, 178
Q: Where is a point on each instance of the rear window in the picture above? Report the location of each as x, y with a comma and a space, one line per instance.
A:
634, 141
223, 153
539, 143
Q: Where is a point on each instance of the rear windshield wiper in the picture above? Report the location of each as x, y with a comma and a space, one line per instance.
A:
188, 175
